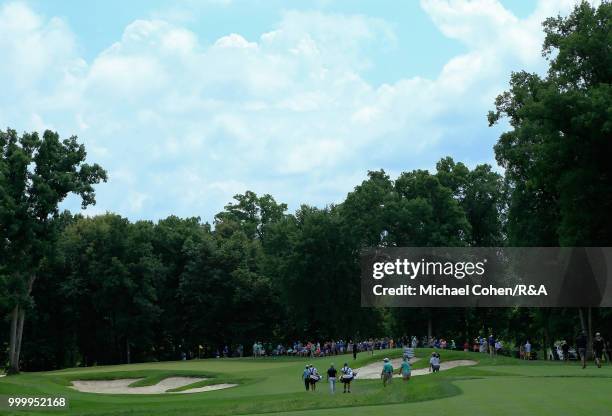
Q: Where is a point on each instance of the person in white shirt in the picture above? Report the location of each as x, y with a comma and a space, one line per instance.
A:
347, 377
498, 346
434, 363
314, 378
527, 350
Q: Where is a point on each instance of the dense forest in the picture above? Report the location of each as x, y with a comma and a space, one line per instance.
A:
98, 290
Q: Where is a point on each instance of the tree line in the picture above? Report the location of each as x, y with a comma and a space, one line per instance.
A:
99, 290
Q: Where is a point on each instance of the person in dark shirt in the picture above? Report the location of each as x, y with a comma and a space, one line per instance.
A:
598, 348
306, 377
565, 348
581, 344
491, 342
331, 378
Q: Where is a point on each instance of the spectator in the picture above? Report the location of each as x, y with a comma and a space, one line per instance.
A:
581, 344
598, 348
498, 346
527, 350
565, 350
491, 343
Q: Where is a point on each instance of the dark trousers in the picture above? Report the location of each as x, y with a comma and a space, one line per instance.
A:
307, 383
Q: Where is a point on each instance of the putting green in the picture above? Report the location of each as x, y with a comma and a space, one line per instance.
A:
503, 386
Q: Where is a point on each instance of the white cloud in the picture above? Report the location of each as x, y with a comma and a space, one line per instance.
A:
35, 48
182, 124
234, 41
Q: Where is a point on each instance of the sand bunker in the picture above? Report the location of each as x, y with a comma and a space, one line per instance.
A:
372, 371
209, 388
121, 386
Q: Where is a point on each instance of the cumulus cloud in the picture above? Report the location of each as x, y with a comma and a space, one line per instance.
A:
183, 124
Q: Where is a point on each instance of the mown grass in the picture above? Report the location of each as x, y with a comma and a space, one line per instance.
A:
274, 385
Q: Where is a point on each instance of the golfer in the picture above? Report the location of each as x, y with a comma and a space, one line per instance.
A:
306, 377
405, 369
387, 372
347, 377
331, 378
407, 352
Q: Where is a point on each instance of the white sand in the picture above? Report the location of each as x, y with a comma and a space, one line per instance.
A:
372, 371
208, 388
121, 386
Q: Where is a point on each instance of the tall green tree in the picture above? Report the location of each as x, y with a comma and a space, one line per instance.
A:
250, 213
36, 174
557, 153
363, 210
318, 277
425, 213
482, 196
172, 242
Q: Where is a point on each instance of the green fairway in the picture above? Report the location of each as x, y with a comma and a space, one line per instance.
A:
505, 386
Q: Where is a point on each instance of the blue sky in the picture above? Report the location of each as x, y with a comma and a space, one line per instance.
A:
188, 103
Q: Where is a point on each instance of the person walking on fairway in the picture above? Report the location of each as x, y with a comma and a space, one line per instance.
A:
527, 350
407, 352
598, 348
314, 378
405, 369
434, 363
347, 377
306, 377
387, 372
331, 378
581, 344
